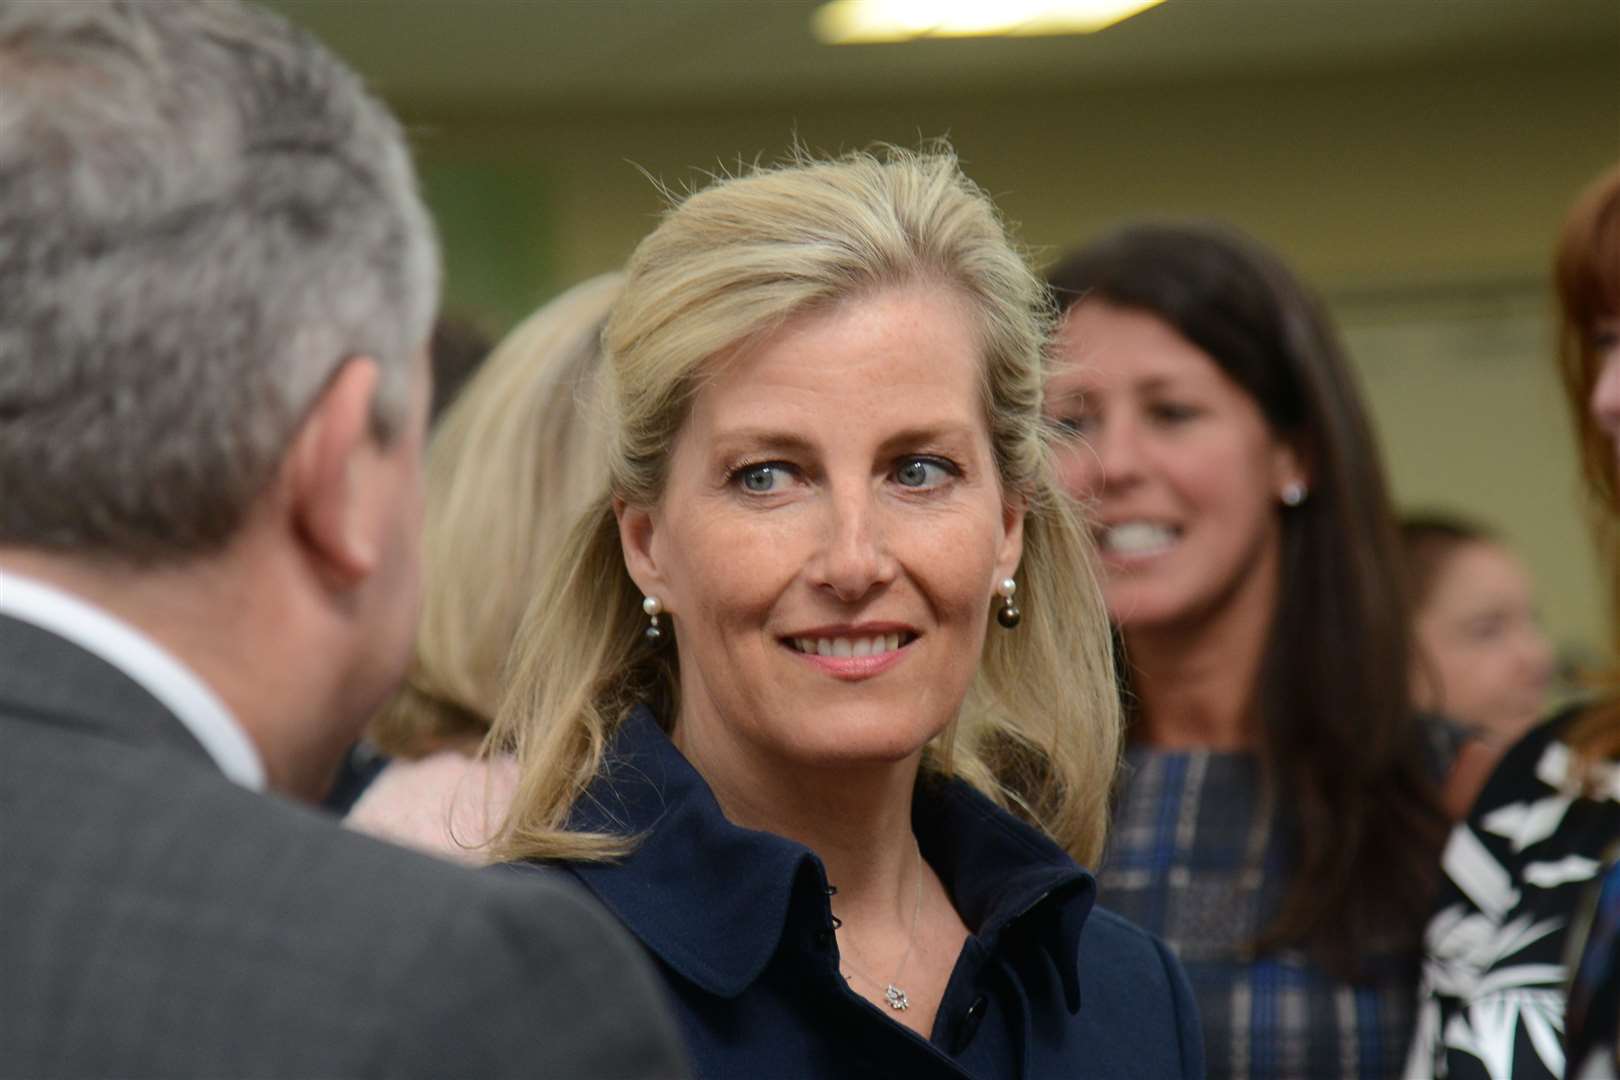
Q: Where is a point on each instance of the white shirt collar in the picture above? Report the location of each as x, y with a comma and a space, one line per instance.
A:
144, 661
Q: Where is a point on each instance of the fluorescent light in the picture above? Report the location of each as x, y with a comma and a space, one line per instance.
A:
846, 22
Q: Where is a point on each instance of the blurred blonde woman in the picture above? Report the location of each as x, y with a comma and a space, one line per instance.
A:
517, 456
764, 705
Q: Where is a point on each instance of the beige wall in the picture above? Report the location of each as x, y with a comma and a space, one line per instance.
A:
1422, 202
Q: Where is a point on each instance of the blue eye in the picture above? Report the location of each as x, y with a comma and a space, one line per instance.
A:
1074, 425
760, 479
921, 472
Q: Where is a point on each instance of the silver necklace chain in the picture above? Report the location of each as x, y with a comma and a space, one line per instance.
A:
892, 991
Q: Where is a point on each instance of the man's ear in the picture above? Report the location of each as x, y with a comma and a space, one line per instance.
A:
328, 474
638, 528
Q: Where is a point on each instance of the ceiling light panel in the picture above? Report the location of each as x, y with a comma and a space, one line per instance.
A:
850, 22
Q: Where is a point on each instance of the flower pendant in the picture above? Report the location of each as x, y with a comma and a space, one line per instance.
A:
897, 998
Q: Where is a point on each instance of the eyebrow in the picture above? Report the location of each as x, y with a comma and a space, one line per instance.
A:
927, 434
1156, 383
1152, 384
769, 439
774, 439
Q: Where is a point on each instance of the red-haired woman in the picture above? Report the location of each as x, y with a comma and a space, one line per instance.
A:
1518, 869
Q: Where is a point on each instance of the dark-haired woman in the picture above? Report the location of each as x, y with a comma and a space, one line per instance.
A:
1279, 821
1520, 872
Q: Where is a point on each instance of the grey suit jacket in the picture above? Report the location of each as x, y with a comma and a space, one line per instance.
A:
157, 920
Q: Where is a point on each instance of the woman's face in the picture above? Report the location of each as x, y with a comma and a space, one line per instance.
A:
1605, 402
830, 536
1484, 659
1176, 461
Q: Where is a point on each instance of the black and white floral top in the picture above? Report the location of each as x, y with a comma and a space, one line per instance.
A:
1516, 872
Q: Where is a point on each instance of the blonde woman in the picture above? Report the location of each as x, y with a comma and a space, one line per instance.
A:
773, 703
515, 459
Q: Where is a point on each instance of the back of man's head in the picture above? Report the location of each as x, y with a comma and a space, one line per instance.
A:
202, 216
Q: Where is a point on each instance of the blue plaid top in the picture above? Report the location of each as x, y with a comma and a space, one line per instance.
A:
1197, 858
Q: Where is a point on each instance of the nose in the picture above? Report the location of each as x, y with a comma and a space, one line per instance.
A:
1117, 445
1605, 403
1536, 652
854, 559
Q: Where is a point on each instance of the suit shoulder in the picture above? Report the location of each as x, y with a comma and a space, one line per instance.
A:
320, 950
1130, 981
531, 970
1106, 928
1116, 945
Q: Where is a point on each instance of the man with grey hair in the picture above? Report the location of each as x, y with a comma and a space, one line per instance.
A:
216, 281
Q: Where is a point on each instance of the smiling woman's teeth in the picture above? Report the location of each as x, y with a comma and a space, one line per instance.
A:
1138, 538
865, 646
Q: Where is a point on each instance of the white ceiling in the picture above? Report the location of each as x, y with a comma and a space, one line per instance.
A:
660, 54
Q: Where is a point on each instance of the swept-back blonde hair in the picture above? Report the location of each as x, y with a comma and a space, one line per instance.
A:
1039, 730
516, 458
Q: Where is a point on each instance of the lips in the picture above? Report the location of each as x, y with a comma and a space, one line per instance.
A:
852, 653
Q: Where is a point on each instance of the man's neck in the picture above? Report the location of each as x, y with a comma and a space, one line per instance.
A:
213, 619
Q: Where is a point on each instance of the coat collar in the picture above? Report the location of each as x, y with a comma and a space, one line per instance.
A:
47, 679
711, 899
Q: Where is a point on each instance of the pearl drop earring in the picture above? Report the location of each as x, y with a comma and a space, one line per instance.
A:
1008, 614
653, 606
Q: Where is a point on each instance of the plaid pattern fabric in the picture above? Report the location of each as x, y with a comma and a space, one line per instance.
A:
1196, 857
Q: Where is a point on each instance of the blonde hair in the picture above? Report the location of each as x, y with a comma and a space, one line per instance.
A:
517, 456
1039, 731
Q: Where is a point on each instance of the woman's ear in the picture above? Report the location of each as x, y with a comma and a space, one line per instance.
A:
1290, 467
638, 528
1013, 511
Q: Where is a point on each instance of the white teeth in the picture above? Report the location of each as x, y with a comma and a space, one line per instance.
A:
1138, 538
865, 646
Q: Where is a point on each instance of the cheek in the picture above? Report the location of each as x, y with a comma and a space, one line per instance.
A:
1472, 669
1232, 485
953, 563
1605, 403
1078, 472
722, 573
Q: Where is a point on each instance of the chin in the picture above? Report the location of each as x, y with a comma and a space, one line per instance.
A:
861, 737
1137, 611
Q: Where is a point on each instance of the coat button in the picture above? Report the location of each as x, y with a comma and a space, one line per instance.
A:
968, 1026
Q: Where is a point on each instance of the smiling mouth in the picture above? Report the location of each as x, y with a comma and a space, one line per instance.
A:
1137, 539
868, 645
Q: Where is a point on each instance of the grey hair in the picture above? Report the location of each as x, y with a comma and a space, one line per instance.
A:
203, 213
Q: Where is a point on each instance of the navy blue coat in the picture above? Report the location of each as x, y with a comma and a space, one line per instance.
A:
1047, 985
